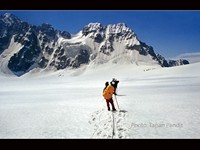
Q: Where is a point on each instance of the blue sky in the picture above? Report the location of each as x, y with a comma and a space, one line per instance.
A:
170, 33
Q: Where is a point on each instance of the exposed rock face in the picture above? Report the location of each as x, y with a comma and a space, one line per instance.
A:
45, 47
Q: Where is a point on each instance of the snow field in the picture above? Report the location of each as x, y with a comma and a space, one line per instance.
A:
158, 103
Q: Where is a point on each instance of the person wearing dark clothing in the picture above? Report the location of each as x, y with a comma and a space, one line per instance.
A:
106, 84
108, 102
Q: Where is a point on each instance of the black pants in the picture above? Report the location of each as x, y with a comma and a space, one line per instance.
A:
112, 104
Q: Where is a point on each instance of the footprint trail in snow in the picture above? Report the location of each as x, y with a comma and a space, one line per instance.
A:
108, 124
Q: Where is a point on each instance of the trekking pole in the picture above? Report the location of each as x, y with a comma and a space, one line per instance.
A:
117, 102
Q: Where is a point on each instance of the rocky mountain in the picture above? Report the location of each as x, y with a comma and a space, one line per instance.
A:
24, 47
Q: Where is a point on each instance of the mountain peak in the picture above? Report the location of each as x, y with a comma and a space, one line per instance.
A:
119, 25
93, 24
120, 28
92, 27
43, 47
112, 29
46, 25
7, 15
9, 18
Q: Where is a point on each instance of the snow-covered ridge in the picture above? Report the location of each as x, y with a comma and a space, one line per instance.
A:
13, 48
119, 29
45, 48
94, 27
113, 28
9, 19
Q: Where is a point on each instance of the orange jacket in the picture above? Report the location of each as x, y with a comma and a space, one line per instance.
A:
108, 92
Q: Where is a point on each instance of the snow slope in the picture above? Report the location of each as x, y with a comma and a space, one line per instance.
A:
158, 103
13, 48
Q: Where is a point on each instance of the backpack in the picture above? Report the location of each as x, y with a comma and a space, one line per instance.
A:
108, 92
